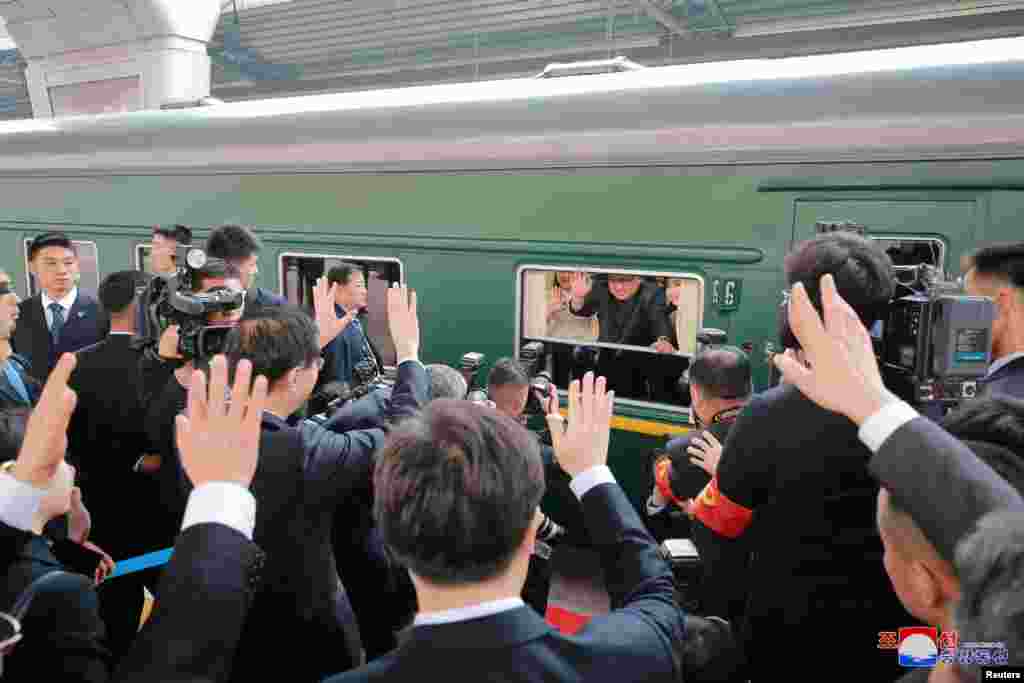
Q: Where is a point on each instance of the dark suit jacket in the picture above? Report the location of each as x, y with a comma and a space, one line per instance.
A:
302, 476
921, 463
86, 324
258, 298
817, 571
1007, 380
105, 438
345, 351
205, 595
64, 634
641, 640
9, 398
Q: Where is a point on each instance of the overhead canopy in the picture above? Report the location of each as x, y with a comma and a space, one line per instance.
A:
273, 47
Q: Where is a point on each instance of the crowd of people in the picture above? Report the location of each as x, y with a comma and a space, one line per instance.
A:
404, 535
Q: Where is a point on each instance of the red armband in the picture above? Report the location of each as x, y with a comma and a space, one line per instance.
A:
662, 481
720, 514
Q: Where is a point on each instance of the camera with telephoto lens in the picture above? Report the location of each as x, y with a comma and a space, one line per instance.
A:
366, 377
174, 301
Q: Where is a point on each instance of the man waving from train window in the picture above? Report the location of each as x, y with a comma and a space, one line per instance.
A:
629, 312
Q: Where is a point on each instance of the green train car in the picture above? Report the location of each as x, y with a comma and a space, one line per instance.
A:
697, 176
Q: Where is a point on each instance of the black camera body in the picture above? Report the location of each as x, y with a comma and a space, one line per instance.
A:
934, 342
174, 301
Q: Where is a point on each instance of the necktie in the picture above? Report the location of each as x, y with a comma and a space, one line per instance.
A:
58, 322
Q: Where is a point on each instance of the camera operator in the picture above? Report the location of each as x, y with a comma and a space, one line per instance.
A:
792, 477
164, 379
997, 272
305, 473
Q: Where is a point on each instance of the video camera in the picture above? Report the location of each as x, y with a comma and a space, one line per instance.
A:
935, 342
175, 301
366, 377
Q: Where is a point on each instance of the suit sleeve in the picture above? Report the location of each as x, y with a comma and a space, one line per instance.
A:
205, 595
337, 465
940, 482
743, 480
638, 579
410, 393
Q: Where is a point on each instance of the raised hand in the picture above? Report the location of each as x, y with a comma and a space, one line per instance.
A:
327, 319
705, 452
843, 373
583, 443
217, 441
46, 440
403, 322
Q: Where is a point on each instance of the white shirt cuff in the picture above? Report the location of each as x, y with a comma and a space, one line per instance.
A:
224, 503
880, 426
19, 502
588, 479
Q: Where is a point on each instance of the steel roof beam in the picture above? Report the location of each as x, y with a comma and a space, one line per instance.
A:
664, 17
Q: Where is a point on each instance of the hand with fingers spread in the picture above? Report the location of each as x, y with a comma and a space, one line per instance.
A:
403, 322
217, 441
583, 442
327, 319
581, 286
42, 450
705, 452
841, 373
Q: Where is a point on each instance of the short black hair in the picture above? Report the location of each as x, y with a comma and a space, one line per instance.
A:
862, 271
182, 234
507, 371
118, 290
722, 372
990, 565
275, 340
233, 243
49, 239
342, 273
1004, 261
217, 269
456, 489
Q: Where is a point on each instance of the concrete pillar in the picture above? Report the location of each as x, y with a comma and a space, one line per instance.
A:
97, 56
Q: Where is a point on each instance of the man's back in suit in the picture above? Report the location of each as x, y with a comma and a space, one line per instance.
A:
794, 479
107, 437
639, 640
85, 324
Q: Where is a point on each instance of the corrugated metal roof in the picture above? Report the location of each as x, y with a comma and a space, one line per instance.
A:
337, 45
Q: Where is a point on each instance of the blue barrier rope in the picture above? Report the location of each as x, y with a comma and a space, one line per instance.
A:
140, 562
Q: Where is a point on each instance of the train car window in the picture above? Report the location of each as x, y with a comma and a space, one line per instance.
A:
88, 267
299, 272
909, 252
143, 258
638, 329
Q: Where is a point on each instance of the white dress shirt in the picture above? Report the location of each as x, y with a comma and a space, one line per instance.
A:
580, 484
880, 426
66, 303
215, 501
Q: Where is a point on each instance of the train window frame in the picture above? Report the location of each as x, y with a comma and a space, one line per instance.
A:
520, 337
29, 278
282, 272
943, 247
140, 260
